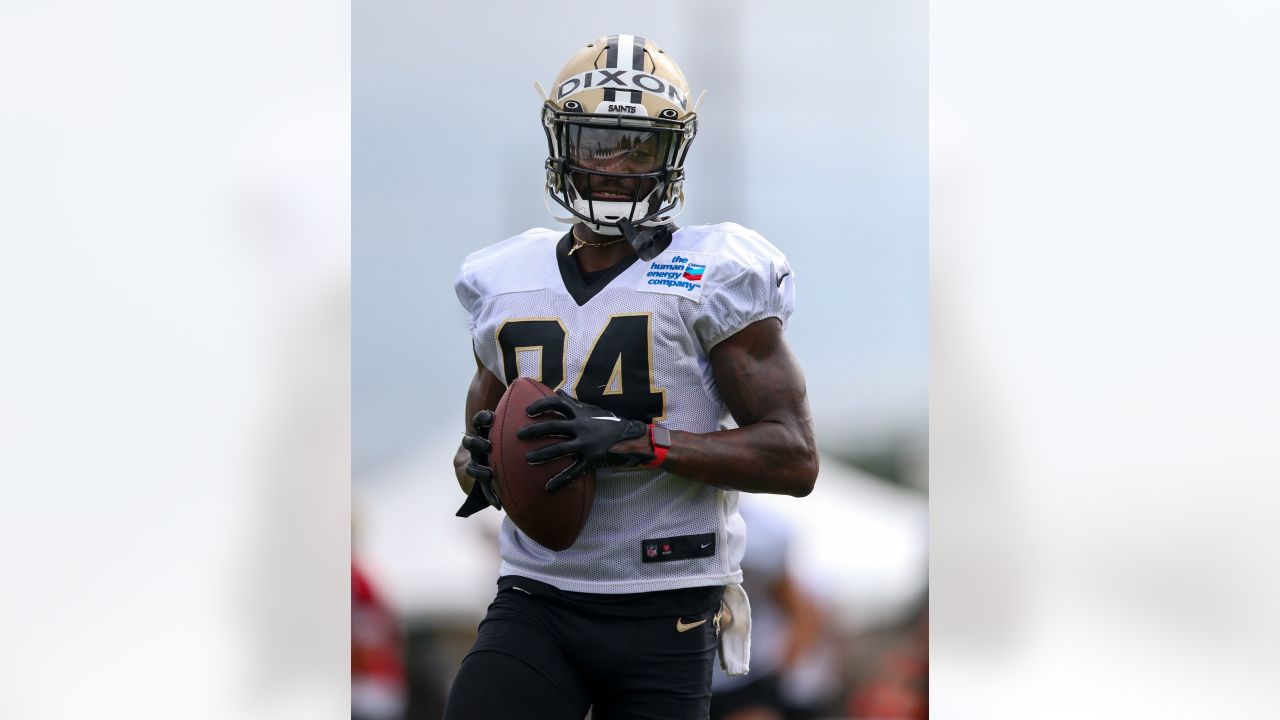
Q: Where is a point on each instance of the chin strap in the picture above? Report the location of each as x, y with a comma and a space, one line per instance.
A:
649, 242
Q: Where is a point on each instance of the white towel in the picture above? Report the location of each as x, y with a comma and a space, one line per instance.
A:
733, 626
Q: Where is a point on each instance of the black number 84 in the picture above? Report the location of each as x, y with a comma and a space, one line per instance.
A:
618, 373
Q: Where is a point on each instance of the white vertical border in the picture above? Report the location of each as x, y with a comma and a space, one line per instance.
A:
174, 390
1104, 351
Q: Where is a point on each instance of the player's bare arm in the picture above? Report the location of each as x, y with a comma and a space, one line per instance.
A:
773, 450
483, 394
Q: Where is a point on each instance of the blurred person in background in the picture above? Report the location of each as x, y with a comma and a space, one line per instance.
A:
378, 687
795, 673
667, 338
897, 686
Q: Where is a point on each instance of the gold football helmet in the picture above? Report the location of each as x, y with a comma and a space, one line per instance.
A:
619, 122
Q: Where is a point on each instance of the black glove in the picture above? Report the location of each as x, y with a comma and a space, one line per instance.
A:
591, 431
482, 494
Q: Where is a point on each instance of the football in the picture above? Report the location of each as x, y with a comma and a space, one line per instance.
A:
552, 519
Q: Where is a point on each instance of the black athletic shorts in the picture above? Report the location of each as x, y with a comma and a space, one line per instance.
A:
545, 653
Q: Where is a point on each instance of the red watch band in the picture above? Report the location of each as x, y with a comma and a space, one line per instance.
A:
659, 451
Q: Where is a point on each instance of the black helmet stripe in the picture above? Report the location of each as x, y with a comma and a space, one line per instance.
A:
611, 62
623, 48
611, 52
637, 63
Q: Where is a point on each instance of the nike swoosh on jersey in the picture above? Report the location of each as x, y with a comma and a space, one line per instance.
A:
593, 417
682, 626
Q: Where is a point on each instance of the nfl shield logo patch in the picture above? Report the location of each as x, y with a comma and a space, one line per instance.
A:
651, 551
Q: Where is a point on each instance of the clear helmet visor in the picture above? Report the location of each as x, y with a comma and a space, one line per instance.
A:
608, 170
617, 151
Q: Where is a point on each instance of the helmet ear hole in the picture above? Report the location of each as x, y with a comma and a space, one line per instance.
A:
668, 114
573, 106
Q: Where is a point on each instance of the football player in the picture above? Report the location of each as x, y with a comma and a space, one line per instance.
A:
674, 384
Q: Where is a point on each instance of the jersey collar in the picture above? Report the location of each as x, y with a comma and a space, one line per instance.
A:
578, 287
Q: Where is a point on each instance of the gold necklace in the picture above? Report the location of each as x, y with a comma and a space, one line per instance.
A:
579, 243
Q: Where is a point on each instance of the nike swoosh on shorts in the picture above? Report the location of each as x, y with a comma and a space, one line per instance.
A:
682, 626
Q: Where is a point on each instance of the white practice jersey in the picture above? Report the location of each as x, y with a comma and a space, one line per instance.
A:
637, 342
